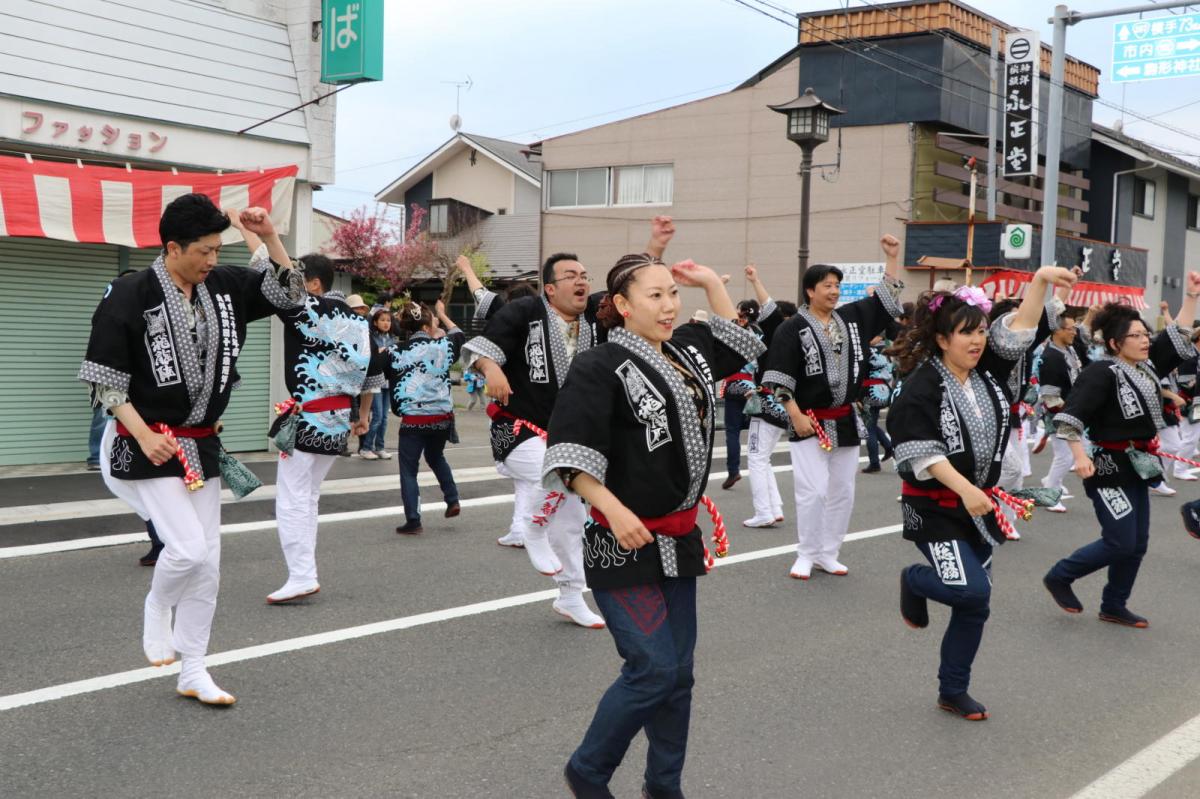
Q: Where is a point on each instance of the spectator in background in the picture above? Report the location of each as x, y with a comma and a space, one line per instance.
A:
474, 384
355, 301
383, 342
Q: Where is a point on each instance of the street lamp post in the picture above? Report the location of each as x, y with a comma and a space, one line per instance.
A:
808, 126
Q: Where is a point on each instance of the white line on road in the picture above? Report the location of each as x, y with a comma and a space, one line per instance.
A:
118, 539
107, 681
1150, 767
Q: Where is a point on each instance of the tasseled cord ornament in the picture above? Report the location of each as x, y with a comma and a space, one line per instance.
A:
191, 478
720, 535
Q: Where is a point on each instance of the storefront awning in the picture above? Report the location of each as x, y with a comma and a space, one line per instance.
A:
109, 205
1010, 283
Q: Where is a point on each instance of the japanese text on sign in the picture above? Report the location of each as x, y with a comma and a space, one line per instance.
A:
1151, 49
1022, 54
857, 280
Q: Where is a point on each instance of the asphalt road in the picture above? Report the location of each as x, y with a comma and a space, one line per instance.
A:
812, 689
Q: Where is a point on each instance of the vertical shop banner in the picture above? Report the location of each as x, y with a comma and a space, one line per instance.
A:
1022, 68
351, 41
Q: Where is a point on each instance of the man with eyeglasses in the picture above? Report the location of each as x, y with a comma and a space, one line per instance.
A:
524, 354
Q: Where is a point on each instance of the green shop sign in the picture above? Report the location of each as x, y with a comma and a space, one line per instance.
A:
352, 41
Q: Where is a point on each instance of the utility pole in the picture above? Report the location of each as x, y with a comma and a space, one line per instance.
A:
993, 114
1063, 17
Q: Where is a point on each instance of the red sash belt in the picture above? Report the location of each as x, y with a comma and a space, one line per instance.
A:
337, 402
675, 524
739, 376
428, 419
496, 413
942, 496
180, 432
873, 381
1145, 445
839, 412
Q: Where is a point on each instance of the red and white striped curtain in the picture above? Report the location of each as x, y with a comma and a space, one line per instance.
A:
1013, 284
110, 205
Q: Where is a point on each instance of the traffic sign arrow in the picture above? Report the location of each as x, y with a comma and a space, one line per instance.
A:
1188, 44
1126, 71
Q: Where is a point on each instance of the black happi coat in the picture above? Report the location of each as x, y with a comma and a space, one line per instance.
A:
1058, 372
1021, 374
327, 351
141, 344
628, 417
932, 415
1113, 401
528, 343
821, 373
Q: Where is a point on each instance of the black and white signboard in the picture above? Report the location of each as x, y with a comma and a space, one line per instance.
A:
1022, 66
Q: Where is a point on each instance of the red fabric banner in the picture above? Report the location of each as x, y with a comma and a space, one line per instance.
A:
1011, 283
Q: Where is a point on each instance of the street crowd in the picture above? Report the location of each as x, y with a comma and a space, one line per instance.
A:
603, 407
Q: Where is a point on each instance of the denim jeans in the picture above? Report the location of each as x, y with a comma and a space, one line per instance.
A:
373, 440
433, 444
654, 628
1124, 515
959, 576
875, 437
95, 433
735, 423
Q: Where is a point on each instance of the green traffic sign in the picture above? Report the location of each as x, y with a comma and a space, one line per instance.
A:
351, 41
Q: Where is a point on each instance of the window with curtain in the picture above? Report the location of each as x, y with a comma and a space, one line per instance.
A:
643, 185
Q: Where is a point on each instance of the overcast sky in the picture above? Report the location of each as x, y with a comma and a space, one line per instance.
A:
550, 67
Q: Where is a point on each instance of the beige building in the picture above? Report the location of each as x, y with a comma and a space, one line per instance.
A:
733, 188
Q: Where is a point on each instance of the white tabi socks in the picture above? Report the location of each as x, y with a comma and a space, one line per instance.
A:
571, 605
537, 547
195, 682
156, 634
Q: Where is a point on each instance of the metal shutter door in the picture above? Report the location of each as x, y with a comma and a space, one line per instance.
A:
247, 417
48, 292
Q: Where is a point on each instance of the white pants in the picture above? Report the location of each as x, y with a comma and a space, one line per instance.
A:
1012, 468
824, 489
121, 489
188, 572
1171, 440
298, 490
764, 489
1028, 441
531, 505
1063, 459
1190, 433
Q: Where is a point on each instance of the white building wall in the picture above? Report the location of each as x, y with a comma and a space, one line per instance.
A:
1149, 234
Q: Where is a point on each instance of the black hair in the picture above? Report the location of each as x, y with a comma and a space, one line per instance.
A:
1112, 322
319, 267
919, 341
815, 275
375, 317
518, 290
906, 310
412, 316
619, 279
188, 218
748, 309
548, 267
787, 308
1001, 307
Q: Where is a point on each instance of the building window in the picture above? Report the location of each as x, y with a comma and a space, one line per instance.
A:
1143, 197
439, 219
578, 187
1193, 212
643, 185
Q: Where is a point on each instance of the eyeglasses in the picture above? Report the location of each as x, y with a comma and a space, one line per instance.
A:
1138, 335
573, 277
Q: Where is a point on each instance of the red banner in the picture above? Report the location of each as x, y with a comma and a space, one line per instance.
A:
1010, 283
110, 205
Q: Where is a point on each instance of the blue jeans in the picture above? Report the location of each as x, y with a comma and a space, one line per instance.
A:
735, 423
875, 437
373, 440
433, 444
654, 628
1124, 515
95, 433
959, 576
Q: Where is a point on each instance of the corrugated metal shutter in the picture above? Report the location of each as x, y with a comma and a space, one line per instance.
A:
48, 291
247, 417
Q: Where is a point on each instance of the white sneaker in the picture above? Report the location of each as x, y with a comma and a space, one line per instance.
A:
202, 687
1188, 476
542, 556
292, 591
1163, 490
778, 516
1057, 507
383, 454
759, 521
368, 455
831, 566
801, 569
156, 634
1066, 495
574, 608
515, 540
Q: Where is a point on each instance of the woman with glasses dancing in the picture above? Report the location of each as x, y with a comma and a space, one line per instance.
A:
1116, 401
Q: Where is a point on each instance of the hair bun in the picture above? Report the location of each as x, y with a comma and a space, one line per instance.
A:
607, 313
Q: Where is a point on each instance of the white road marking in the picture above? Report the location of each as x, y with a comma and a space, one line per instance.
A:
119, 539
1149, 768
93, 508
107, 681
